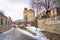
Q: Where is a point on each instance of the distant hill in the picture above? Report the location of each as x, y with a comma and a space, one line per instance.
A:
17, 21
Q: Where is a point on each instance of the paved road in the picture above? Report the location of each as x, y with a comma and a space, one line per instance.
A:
15, 34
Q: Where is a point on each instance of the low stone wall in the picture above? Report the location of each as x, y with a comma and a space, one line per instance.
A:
50, 24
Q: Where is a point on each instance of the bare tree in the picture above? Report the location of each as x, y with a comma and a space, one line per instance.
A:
47, 4
36, 5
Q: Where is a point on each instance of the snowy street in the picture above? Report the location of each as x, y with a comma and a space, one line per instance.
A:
16, 34
19, 34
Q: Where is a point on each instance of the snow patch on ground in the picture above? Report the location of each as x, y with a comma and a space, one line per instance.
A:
27, 33
37, 31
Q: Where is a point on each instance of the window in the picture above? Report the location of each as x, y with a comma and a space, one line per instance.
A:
6, 22
1, 21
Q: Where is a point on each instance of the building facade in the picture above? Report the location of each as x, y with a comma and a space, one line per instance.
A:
25, 15
5, 22
20, 23
29, 17
53, 13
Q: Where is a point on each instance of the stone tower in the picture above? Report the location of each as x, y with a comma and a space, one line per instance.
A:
25, 15
29, 16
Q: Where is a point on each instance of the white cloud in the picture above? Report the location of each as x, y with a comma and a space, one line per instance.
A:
14, 8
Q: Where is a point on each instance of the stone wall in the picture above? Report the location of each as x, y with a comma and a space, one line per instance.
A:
50, 24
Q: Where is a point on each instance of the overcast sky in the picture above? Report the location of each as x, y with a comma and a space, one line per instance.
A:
14, 8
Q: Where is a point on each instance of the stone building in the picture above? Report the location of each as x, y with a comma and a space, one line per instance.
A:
5, 22
55, 12
29, 17
25, 15
52, 23
52, 13
42, 15
20, 23
9, 23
